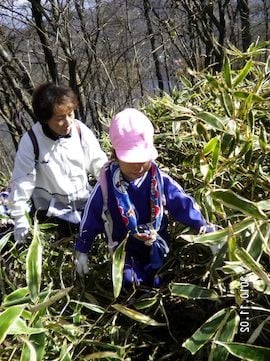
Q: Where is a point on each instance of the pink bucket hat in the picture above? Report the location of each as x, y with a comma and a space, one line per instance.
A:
131, 134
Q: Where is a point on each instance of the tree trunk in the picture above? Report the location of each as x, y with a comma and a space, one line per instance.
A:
243, 8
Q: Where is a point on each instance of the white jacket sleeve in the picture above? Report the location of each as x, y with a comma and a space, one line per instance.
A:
23, 178
94, 155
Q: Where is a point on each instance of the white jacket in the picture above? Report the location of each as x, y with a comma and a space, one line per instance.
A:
59, 182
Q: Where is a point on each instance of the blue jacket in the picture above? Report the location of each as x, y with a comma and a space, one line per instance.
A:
180, 206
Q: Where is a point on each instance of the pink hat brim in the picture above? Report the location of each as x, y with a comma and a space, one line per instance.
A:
137, 155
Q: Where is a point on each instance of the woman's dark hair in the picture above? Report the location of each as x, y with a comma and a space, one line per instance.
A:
47, 96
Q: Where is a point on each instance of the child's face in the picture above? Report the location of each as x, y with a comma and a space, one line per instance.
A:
62, 119
132, 171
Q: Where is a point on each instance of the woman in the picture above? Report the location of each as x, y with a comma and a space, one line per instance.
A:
55, 179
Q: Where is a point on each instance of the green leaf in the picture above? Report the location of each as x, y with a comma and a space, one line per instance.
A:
90, 306
205, 332
247, 352
15, 299
265, 204
29, 352
4, 240
246, 95
255, 244
8, 318
227, 73
213, 120
251, 264
192, 291
210, 146
135, 315
19, 327
51, 300
16, 296
65, 352
145, 303
220, 235
118, 263
234, 201
34, 266
184, 80
103, 355
243, 73
226, 333
267, 65
212, 81
39, 341
228, 143
227, 102
46, 226
263, 139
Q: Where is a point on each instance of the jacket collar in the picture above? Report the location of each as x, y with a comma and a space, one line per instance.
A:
50, 134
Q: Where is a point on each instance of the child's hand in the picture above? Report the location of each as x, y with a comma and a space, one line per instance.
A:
81, 263
147, 235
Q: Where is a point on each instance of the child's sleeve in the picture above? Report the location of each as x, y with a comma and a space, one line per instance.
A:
181, 206
91, 223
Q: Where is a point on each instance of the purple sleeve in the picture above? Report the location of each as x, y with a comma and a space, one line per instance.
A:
181, 206
91, 223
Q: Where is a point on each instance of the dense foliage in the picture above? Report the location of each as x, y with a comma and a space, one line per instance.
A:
213, 138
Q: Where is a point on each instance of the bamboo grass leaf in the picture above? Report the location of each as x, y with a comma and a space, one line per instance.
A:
220, 235
145, 303
227, 73
56, 297
256, 333
246, 95
39, 342
212, 80
65, 352
227, 103
265, 204
4, 240
263, 139
210, 146
15, 297
213, 146
19, 327
8, 318
247, 352
118, 262
226, 333
135, 315
34, 266
213, 120
103, 355
251, 264
205, 332
243, 73
192, 291
234, 201
184, 80
267, 66
90, 306
13, 300
29, 352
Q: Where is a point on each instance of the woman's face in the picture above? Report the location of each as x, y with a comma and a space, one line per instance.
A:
62, 119
132, 171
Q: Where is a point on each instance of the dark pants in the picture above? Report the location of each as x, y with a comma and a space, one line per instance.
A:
63, 228
142, 264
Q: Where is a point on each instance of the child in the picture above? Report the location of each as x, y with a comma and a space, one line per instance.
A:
139, 196
53, 162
